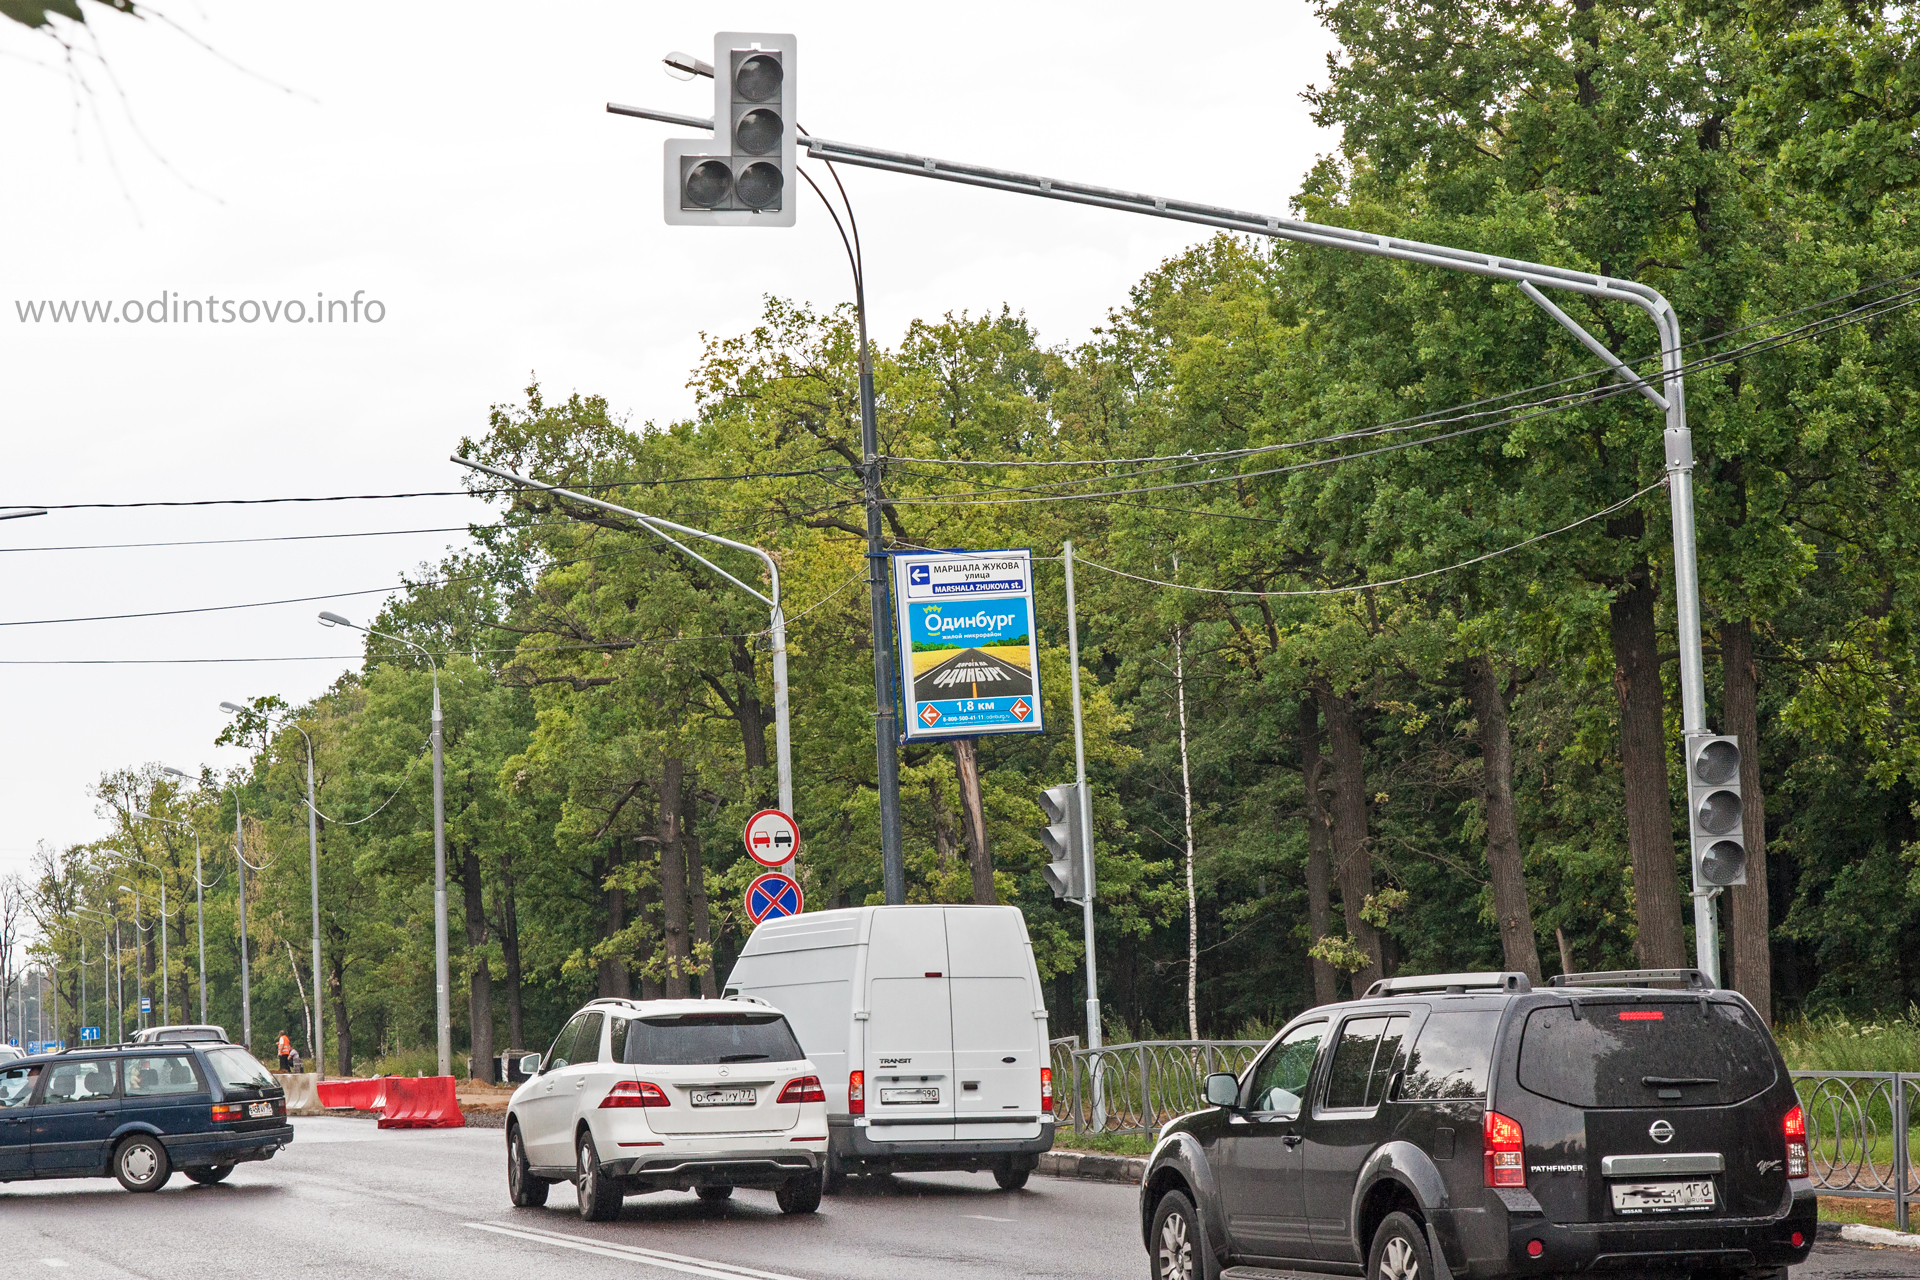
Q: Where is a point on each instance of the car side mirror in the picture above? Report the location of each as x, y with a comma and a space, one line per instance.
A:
1223, 1090
530, 1065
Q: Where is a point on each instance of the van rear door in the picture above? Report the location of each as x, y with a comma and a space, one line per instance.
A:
996, 1038
909, 1040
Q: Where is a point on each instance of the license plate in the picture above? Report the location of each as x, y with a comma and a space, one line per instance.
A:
258, 1109
1663, 1197
725, 1097
911, 1096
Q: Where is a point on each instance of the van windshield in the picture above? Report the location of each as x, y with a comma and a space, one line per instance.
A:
1645, 1053
711, 1039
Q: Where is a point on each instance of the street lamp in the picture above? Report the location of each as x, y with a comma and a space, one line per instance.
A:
443, 1015
199, 893
106, 959
777, 627
166, 1004
313, 876
139, 987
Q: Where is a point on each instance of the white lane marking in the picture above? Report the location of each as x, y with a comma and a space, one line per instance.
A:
633, 1253
986, 1218
55, 1262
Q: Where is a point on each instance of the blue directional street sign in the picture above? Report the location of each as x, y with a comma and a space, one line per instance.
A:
89, 1033
774, 894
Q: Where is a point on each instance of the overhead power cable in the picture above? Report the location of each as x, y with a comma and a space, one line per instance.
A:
1221, 455
1860, 315
1390, 582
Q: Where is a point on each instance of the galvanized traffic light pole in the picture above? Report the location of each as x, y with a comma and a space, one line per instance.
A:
1530, 277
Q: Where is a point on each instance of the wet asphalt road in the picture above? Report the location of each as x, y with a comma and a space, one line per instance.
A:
349, 1202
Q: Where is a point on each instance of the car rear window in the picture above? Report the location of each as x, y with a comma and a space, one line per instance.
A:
235, 1068
708, 1039
1645, 1053
1452, 1056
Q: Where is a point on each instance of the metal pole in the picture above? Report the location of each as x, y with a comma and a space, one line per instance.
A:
313, 875
443, 1015
139, 986
200, 921
886, 727
1096, 1062
246, 977
166, 1006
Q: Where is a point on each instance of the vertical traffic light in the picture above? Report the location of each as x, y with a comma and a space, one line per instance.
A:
745, 177
1714, 811
1064, 840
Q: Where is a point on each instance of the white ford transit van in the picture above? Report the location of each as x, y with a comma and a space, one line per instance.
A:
927, 1027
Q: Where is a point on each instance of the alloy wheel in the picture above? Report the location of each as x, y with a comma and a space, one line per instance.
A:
1176, 1249
1397, 1261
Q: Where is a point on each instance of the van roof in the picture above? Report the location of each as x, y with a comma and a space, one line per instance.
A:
665, 1008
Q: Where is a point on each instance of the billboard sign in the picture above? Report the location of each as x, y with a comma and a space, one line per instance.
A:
969, 655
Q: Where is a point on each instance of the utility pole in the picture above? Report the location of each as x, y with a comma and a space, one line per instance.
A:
246, 965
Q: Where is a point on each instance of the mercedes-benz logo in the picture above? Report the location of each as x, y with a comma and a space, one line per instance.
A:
1660, 1131
723, 1071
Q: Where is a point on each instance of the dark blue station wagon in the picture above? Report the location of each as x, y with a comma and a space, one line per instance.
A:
139, 1112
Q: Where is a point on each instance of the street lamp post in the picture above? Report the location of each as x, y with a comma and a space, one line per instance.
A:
139, 985
777, 625
443, 1014
246, 964
199, 896
313, 876
166, 1007
109, 925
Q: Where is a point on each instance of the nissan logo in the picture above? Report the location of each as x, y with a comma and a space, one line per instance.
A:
1661, 1131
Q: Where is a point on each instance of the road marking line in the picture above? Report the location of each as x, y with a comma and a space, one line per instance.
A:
55, 1262
633, 1253
986, 1218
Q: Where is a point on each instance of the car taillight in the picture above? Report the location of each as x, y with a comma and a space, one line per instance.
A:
635, 1093
1046, 1088
1505, 1165
1795, 1126
857, 1093
804, 1089
227, 1112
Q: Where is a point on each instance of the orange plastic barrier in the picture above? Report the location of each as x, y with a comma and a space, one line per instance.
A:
361, 1095
420, 1103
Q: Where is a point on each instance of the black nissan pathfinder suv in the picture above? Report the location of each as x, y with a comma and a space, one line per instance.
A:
1636, 1124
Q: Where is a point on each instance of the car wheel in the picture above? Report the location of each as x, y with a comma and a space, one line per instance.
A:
600, 1196
715, 1194
140, 1163
833, 1178
1009, 1178
1400, 1251
210, 1175
526, 1190
1178, 1247
798, 1195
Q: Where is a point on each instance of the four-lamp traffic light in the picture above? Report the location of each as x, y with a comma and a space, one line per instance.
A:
1064, 840
745, 176
1714, 811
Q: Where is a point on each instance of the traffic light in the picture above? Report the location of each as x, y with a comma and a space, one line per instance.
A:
1065, 842
1714, 811
745, 176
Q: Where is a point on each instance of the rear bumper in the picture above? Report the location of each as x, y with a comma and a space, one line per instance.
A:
856, 1147
193, 1150
683, 1173
1613, 1248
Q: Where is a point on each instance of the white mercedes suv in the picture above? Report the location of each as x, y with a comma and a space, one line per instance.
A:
659, 1095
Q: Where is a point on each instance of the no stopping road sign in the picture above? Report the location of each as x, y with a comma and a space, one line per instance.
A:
774, 894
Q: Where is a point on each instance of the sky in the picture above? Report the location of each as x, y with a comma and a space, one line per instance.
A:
462, 178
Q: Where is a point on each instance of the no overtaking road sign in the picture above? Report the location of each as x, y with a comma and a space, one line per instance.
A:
772, 838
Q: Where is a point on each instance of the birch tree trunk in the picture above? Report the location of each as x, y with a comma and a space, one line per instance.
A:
1186, 797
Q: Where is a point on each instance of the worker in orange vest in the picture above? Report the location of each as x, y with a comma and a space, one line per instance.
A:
286, 1052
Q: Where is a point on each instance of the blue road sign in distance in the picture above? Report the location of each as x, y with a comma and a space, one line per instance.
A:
774, 894
146, 1004
89, 1033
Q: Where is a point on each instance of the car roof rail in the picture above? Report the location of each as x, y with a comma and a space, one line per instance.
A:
1688, 979
1448, 984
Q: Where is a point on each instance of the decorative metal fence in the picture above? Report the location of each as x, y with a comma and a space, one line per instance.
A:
1859, 1135
1137, 1087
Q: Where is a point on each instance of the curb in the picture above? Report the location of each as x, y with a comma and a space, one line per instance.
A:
1860, 1233
1089, 1167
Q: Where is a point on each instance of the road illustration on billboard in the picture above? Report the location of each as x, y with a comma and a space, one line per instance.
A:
968, 649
